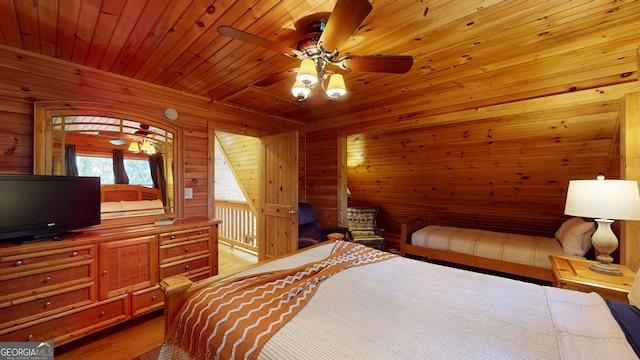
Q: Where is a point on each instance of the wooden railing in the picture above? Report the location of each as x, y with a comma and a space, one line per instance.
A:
239, 224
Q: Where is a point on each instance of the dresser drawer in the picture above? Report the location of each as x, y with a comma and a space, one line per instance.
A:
44, 305
146, 300
64, 327
13, 263
44, 279
185, 235
183, 250
186, 267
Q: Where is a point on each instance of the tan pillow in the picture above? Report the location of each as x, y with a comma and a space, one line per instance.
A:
575, 236
634, 293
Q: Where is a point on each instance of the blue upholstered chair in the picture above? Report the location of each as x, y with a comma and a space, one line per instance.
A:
310, 231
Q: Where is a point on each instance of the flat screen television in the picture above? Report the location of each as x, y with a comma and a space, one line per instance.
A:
42, 207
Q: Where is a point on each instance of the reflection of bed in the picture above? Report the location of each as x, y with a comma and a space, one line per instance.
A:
392, 309
452, 240
121, 200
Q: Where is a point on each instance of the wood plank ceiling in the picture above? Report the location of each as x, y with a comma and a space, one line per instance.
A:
466, 53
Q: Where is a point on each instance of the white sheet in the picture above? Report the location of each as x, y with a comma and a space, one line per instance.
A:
406, 309
514, 248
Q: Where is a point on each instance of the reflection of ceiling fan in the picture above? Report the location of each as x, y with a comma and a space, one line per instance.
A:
320, 48
141, 140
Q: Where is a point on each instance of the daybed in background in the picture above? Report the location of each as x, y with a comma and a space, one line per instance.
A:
450, 238
122, 200
310, 232
386, 307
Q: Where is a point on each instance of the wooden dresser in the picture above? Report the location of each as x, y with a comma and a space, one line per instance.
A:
62, 290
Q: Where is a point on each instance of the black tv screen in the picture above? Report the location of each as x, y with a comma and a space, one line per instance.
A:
40, 207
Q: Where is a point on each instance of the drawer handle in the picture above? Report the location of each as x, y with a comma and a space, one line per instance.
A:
186, 267
75, 253
30, 337
153, 297
104, 272
47, 279
47, 304
200, 232
19, 262
186, 250
103, 314
172, 237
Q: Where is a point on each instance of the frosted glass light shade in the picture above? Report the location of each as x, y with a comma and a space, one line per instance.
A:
307, 73
148, 148
336, 87
606, 199
134, 147
300, 91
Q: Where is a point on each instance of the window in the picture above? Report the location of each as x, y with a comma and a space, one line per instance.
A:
137, 169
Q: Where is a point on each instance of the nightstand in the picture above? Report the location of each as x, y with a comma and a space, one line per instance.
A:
574, 274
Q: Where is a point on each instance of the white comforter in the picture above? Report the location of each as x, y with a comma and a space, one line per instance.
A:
514, 248
406, 309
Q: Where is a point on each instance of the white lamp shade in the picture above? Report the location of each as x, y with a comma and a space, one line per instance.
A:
604, 199
336, 87
300, 91
307, 73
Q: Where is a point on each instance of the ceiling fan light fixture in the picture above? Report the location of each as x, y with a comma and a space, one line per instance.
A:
336, 87
300, 91
147, 148
307, 73
134, 147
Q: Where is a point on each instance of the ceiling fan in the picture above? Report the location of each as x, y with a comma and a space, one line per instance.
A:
143, 139
321, 48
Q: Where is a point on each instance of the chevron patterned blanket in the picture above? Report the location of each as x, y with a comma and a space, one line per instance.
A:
236, 317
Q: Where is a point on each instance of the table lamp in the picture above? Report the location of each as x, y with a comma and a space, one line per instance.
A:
605, 201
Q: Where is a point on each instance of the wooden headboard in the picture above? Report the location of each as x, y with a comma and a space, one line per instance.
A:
120, 192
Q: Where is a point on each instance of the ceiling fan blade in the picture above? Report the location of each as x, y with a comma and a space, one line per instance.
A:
118, 142
114, 134
347, 15
379, 63
276, 77
256, 40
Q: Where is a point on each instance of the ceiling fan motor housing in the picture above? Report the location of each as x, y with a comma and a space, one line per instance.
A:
309, 45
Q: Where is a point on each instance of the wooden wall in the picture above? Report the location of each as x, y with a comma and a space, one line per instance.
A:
512, 161
27, 78
243, 155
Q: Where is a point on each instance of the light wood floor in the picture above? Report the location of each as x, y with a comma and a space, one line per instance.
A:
138, 336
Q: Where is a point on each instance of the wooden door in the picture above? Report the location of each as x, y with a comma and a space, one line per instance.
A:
278, 230
127, 265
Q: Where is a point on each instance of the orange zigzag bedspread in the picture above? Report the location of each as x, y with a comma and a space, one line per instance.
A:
236, 317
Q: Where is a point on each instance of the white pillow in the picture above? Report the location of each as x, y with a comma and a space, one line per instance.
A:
634, 293
110, 209
575, 236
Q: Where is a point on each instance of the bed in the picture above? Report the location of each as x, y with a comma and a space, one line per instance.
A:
123, 200
384, 306
452, 238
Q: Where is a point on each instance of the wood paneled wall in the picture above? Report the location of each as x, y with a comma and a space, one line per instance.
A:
243, 155
27, 78
512, 161
322, 176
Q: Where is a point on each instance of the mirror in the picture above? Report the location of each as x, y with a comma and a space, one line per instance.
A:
83, 136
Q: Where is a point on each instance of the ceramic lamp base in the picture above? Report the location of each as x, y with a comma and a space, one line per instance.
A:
605, 269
